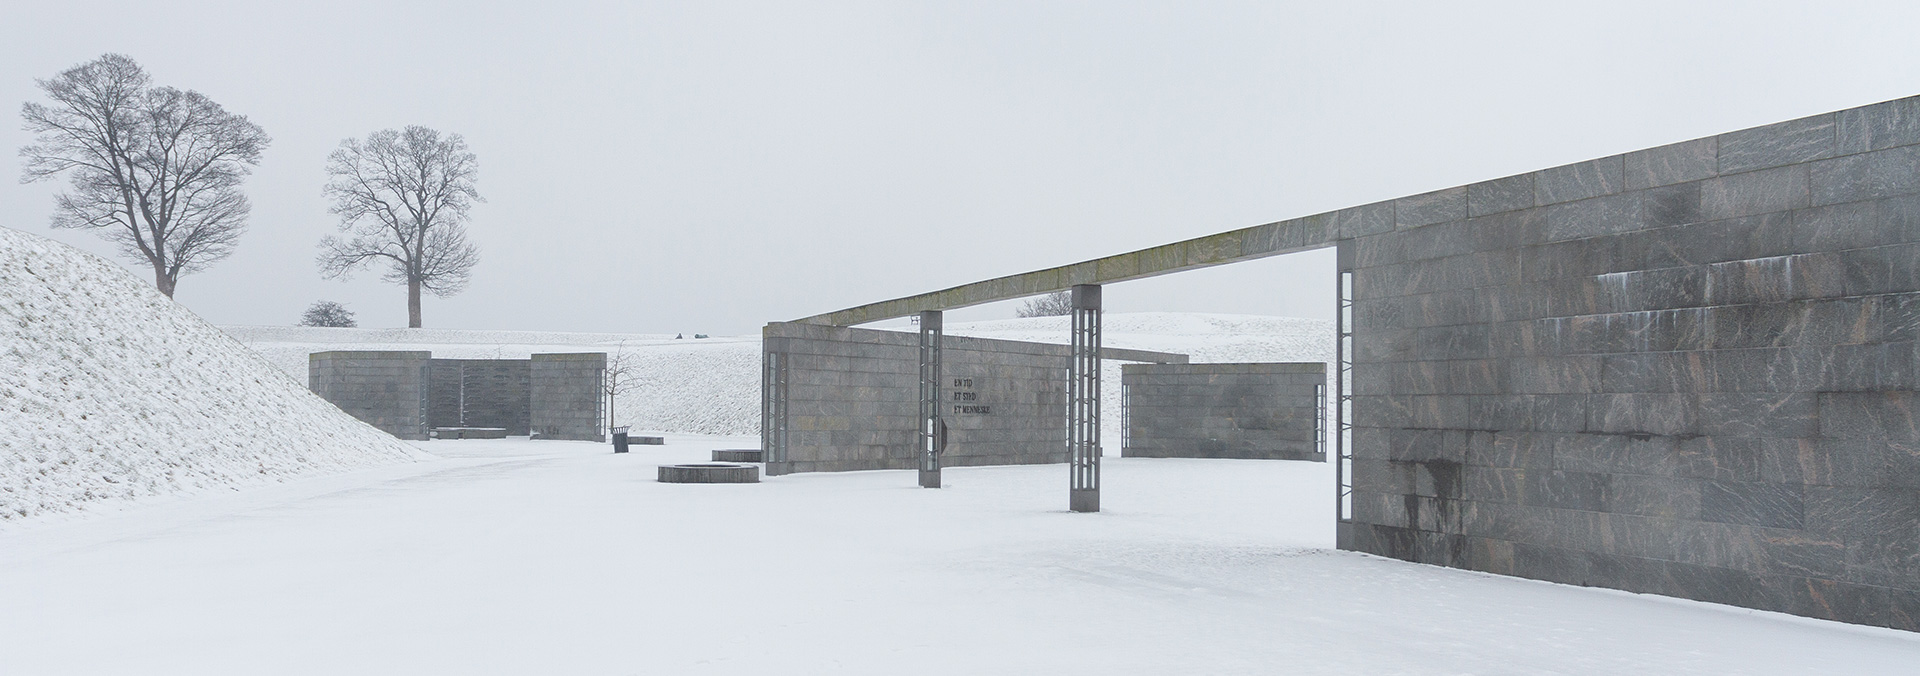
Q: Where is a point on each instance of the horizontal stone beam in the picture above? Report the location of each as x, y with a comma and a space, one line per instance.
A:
1149, 356
1260, 241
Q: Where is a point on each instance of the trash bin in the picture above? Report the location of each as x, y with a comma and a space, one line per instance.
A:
619, 439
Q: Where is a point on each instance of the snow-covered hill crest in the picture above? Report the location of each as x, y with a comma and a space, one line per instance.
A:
110, 391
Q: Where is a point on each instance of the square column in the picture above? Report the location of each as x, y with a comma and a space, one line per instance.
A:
933, 430
1083, 401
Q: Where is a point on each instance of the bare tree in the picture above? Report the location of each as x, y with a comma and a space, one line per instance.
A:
622, 375
156, 170
328, 313
403, 196
1051, 305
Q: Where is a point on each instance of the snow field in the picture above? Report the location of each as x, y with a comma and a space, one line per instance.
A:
514, 557
110, 392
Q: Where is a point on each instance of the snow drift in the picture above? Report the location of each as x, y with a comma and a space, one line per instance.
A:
110, 391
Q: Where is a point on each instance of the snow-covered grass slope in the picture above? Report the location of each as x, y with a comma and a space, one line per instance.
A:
712, 386
110, 391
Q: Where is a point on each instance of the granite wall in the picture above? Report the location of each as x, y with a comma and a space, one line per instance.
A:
852, 399
1688, 370
387, 390
566, 400
1263, 411
551, 396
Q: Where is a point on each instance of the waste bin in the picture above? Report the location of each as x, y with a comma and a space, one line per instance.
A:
619, 439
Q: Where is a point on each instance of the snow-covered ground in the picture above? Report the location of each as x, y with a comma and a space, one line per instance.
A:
712, 386
110, 393
517, 557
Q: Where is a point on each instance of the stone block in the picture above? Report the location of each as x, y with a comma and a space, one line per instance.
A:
1755, 192
1438, 206
1500, 195
1780, 144
1669, 164
1883, 416
1579, 181
1753, 504
1874, 175
1879, 126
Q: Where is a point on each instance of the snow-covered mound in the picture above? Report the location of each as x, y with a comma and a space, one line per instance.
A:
110, 391
712, 386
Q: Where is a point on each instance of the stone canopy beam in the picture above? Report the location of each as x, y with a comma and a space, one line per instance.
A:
1260, 241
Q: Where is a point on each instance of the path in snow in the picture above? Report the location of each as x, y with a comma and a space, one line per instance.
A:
517, 557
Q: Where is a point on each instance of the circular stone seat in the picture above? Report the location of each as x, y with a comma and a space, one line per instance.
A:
737, 455
709, 473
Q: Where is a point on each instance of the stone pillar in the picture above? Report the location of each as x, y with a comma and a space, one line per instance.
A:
932, 428
1083, 401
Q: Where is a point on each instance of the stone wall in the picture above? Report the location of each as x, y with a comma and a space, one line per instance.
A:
1263, 411
566, 400
387, 390
552, 396
1688, 370
480, 393
852, 399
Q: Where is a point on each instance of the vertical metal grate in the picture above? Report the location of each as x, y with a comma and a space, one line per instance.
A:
1083, 401
1320, 419
932, 440
773, 412
1343, 401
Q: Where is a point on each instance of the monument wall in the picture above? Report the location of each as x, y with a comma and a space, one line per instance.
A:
565, 396
387, 390
1262, 411
551, 396
1688, 370
852, 399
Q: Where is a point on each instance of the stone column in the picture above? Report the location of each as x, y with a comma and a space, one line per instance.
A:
1083, 401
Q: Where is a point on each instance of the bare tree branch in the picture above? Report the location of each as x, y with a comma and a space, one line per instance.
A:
403, 197
156, 170
1050, 305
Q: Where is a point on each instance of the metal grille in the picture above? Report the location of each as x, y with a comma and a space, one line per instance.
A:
1343, 402
931, 441
1320, 419
1083, 401
773, 412
426, 428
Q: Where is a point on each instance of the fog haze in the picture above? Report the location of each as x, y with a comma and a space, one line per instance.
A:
709, 167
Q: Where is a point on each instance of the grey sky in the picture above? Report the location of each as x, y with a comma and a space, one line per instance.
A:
707, 166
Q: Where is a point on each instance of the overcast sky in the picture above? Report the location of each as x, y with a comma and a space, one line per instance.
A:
711, 166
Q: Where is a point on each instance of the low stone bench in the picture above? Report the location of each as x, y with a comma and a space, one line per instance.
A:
646, 441
470, 432
738, 455
709, 473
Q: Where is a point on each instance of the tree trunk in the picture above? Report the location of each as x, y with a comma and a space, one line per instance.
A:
413, 304
161, 280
